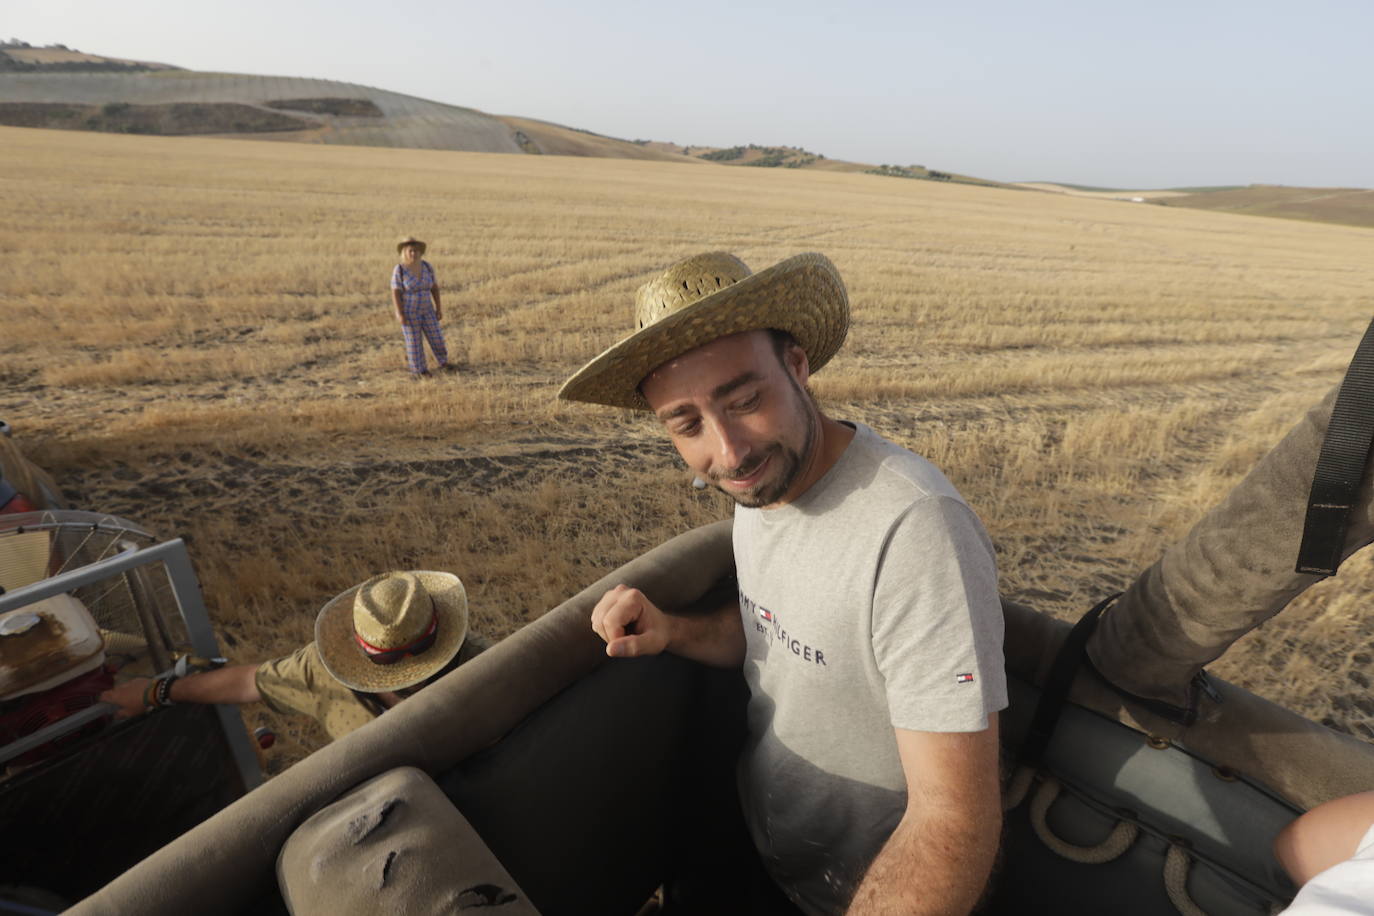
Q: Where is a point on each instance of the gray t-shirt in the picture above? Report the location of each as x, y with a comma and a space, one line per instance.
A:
869, 603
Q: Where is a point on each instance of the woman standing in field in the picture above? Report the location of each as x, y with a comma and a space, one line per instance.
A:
415, 295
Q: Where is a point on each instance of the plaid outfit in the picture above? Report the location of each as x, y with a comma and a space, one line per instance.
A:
417, 305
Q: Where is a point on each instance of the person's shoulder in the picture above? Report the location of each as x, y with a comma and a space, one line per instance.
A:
899, 470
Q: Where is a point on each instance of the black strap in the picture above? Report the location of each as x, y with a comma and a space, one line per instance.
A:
1340, 467
1055, 691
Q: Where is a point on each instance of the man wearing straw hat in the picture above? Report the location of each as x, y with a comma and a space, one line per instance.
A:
867, 626
374, 644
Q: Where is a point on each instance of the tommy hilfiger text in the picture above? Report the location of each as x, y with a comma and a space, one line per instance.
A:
766, 622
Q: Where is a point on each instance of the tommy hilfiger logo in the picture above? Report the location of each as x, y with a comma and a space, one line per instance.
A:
768, 626
965, 678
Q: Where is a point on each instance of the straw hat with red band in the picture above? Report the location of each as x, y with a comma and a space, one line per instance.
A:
394, 630
714, 295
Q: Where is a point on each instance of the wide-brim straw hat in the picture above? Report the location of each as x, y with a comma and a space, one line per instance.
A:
410, 240
714, 295
388, 614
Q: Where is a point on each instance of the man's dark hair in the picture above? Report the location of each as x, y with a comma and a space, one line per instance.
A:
781, 341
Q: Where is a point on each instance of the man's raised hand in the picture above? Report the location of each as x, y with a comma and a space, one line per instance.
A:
631, 624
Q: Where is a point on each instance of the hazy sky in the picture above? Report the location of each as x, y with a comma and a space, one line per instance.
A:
1105, 92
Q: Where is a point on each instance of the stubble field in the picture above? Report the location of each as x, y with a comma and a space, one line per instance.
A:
196, 334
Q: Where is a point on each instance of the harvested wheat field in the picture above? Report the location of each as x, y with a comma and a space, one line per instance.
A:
197, 335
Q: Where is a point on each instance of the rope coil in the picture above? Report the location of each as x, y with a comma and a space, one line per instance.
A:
1017, 787
1177, 862
1176, 865
1116, 843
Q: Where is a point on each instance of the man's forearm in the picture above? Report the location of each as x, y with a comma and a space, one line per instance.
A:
937, 864
715, 638
236, 684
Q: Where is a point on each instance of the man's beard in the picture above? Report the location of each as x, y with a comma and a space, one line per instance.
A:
787, 466
788, 463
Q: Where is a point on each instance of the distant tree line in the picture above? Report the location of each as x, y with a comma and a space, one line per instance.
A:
729, 154
910, 171
788, 157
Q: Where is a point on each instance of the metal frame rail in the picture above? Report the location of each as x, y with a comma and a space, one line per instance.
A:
186, 590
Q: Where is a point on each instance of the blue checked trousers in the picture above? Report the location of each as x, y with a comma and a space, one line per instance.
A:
422, 324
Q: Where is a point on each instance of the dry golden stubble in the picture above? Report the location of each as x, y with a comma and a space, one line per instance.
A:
213, 352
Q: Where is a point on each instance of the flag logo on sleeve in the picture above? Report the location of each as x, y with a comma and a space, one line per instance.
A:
965, 678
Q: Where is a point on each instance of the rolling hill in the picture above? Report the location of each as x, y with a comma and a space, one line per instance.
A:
399, 120
1346, 206
1343, 206
20, 56
57, 87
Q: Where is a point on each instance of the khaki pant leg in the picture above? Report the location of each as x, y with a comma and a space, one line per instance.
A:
1231, 572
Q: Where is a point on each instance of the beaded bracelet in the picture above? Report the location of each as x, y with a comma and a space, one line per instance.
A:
149, 693
164, 690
